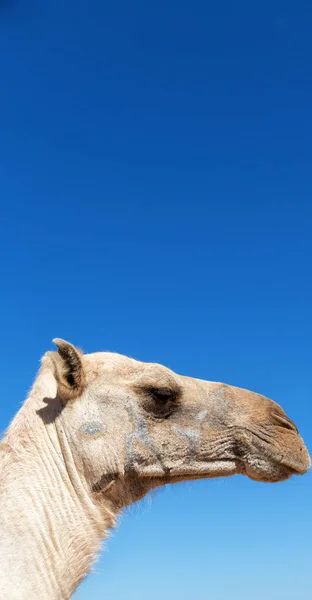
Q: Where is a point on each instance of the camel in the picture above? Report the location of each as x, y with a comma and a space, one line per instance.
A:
96, 434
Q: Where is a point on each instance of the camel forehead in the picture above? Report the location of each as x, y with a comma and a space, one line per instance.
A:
108, 363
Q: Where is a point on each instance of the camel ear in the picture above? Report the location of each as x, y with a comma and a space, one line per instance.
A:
69, 370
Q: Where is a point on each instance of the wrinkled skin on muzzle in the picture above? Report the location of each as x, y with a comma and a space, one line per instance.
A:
222, 430
266, 441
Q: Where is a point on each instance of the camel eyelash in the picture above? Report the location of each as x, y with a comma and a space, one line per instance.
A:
162, 394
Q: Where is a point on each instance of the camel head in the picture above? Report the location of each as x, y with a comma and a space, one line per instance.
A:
132, 426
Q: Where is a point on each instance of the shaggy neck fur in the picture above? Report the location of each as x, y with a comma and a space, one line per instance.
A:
50, 528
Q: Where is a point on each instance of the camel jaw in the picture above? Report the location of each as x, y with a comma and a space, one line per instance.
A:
260, 473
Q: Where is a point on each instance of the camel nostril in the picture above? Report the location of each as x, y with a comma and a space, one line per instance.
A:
284, 421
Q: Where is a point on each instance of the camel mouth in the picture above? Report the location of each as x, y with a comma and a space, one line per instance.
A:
297, 467
269, 476
277, 459
276, 468
266, 468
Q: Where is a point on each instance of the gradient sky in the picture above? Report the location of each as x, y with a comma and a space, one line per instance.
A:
155, 177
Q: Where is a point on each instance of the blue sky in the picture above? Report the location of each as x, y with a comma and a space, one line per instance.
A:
155, 176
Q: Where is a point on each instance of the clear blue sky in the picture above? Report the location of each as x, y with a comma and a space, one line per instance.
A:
155, 176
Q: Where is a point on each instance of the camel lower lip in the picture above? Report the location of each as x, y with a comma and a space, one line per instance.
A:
296, 467
284, 471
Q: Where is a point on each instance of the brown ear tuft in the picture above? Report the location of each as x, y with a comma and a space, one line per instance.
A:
69, 370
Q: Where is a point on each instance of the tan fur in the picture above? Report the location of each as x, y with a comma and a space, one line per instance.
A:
97, 433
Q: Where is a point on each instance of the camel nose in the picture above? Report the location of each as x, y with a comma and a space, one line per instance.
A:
281, 419
295, 455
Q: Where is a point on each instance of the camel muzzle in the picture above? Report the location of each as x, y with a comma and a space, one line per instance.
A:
267, 441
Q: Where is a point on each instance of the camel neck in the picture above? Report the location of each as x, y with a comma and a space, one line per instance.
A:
50, 528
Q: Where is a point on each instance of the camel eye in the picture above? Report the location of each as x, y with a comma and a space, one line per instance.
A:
162, 394
161, 402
